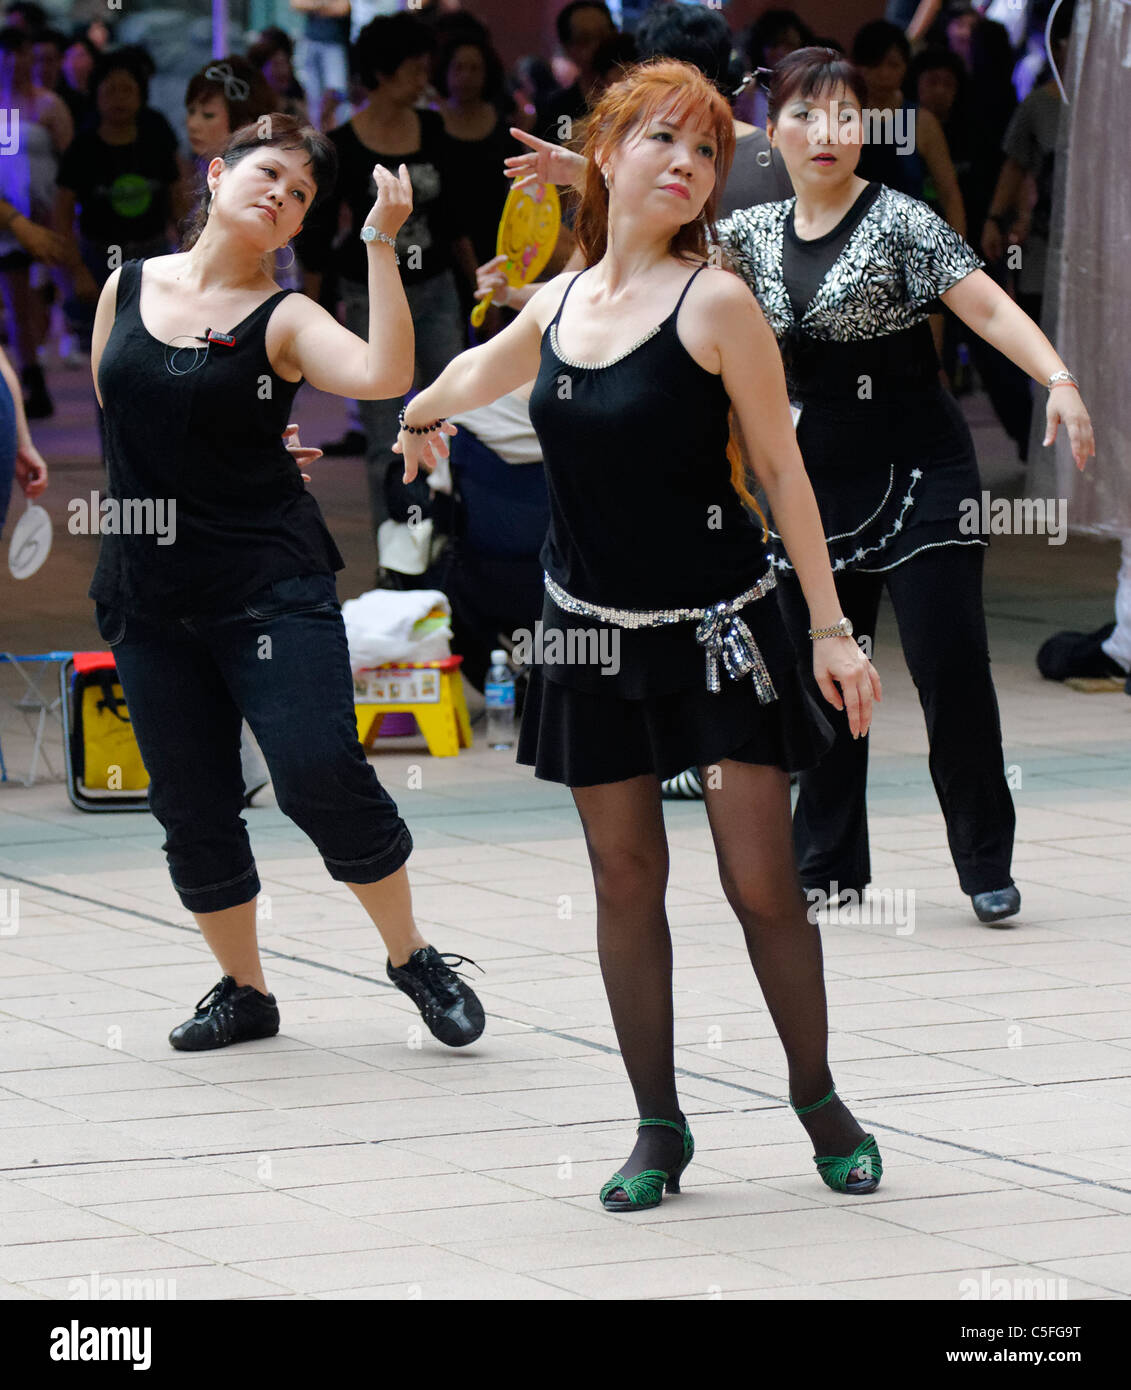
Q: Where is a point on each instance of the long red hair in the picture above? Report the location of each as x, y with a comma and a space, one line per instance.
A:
680, 94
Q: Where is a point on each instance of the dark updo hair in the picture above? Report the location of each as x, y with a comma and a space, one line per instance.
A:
242, 110
807, 72
125, 60
690, 34
279, 132
494, 80
388, 41
875, 40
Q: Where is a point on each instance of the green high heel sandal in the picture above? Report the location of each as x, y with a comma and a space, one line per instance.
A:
835, 1170
646, 1189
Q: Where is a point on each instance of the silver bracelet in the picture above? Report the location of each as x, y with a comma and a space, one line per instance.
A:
1058, 377
370, 234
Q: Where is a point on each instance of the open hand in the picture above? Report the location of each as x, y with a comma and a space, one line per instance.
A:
394, 200
423, 450
546, 163
847, 680
1066, 406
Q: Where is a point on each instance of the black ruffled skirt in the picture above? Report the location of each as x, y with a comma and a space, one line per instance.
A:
583, 738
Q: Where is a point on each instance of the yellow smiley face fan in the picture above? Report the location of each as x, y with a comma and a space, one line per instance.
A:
528, 233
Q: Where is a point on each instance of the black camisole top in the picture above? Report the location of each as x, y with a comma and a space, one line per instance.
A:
208, 437
642, 511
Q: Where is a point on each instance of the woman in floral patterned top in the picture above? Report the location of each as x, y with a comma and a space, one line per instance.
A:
846, 274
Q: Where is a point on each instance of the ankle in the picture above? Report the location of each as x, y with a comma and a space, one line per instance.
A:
405, 950
257, 983
403, 955
809, 1097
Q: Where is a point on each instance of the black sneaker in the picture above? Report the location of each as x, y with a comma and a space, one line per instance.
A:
450, 1008
228, 1013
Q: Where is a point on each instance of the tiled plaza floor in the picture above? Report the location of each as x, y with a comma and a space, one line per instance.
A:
347, 1158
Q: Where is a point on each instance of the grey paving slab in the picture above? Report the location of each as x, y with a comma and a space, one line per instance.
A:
353, 1157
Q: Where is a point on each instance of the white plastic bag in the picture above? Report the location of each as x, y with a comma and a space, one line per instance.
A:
379, 627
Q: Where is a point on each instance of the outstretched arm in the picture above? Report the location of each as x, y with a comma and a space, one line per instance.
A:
755, 381
990, 312
476, 377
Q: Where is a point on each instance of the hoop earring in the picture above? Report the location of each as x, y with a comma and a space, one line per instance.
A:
764, 158
285, 265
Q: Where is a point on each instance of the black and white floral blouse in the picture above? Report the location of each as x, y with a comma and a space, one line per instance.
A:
887, 450
898, 261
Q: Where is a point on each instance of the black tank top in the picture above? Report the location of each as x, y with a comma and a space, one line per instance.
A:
642, 511
210, 440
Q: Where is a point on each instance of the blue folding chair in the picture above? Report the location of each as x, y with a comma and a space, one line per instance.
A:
36, 705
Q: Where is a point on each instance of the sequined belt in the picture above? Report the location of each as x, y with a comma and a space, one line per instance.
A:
721, 632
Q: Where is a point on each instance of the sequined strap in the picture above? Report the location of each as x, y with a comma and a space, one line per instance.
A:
721, 633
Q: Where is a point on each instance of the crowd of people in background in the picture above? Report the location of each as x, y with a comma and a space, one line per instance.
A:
101, 176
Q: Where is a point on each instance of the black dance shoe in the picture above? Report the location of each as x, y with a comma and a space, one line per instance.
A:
228, 1013
992, 907
450, 1008
1078, 655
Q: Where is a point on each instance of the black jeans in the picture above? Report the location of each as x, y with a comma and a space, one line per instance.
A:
281, 661
937, 597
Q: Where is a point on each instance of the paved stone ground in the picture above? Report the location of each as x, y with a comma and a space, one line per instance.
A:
348, 1159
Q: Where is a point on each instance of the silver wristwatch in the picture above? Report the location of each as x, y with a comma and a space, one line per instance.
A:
842, 629
370, 234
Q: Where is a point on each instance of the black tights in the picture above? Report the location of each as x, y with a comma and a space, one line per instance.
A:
748, 809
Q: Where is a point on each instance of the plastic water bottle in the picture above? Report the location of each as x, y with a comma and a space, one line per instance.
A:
500, 702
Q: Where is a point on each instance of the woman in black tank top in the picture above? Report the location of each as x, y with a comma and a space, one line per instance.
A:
658, 646
227, 608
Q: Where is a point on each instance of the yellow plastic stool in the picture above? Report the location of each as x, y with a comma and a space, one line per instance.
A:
431, 691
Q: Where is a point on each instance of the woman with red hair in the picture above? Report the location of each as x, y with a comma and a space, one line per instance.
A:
654, 569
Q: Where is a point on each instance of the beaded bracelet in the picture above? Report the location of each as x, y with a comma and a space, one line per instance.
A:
419, 429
